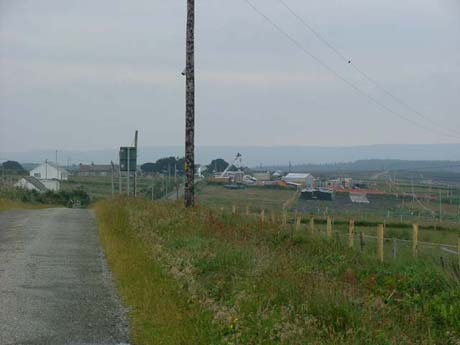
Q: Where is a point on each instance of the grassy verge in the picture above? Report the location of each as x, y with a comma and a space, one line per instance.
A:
202, 277
7, 204
159, 312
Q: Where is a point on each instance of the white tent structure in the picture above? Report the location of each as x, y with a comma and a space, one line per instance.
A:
300, 179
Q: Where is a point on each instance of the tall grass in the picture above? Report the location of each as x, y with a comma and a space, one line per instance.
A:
202, 277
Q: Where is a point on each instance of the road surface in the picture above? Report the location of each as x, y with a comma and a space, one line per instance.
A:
54, 284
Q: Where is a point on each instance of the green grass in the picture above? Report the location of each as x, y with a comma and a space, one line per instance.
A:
202, 277
254, 197
159, 311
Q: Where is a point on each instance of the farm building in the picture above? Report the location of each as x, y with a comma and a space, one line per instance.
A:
317, 194
300, 179
96, 169
339, 183
262, 176
236, 176
41, 186
49, 171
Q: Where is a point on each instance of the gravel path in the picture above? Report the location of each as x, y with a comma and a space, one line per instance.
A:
54, 284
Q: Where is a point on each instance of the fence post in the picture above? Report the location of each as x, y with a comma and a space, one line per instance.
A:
284, 218
458, 249
262, 216
361, 240
414, 240
312, 225
248, 212
380, 242
351, 233
394, 248
297, 223
329, 227
234, 209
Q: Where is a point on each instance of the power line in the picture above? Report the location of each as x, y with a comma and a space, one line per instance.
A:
360, 71
336, 74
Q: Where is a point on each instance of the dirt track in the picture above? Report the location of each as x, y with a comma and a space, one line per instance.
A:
54, 284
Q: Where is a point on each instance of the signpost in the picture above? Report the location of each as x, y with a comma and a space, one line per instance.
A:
128, 162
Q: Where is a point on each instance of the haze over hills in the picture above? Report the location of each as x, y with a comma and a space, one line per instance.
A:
255, 156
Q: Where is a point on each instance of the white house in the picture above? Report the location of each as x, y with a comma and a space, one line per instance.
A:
300, 179
31, 183
41, 186
49, 171
53, 185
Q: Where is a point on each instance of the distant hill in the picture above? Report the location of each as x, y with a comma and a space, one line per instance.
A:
256, 156
376, 165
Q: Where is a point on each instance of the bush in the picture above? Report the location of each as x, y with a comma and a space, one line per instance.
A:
64, 198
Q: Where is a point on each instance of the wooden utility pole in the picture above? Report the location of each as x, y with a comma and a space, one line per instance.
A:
189, 197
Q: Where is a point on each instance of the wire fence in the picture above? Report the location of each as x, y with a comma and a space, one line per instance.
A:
379, 241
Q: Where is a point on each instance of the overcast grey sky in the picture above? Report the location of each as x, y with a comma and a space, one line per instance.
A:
85, 74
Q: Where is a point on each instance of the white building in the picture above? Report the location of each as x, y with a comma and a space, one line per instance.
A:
41, 186
31, 183
300, 179
49, 171
263, 176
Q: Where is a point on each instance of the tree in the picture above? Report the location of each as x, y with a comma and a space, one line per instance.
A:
217, 165
180, 165
13, 166
165, 165
148, 168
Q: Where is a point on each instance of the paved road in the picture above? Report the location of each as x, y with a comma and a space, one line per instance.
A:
55, 288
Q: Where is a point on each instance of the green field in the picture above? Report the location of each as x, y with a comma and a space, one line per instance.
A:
257, 198
204, 276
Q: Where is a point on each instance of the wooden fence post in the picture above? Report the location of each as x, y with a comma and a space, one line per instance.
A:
361, 240
458, 249
329, 227
414, 240
262, 216
297, 223
234, 209
351, 233
312, 225
380, 242
394, 248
